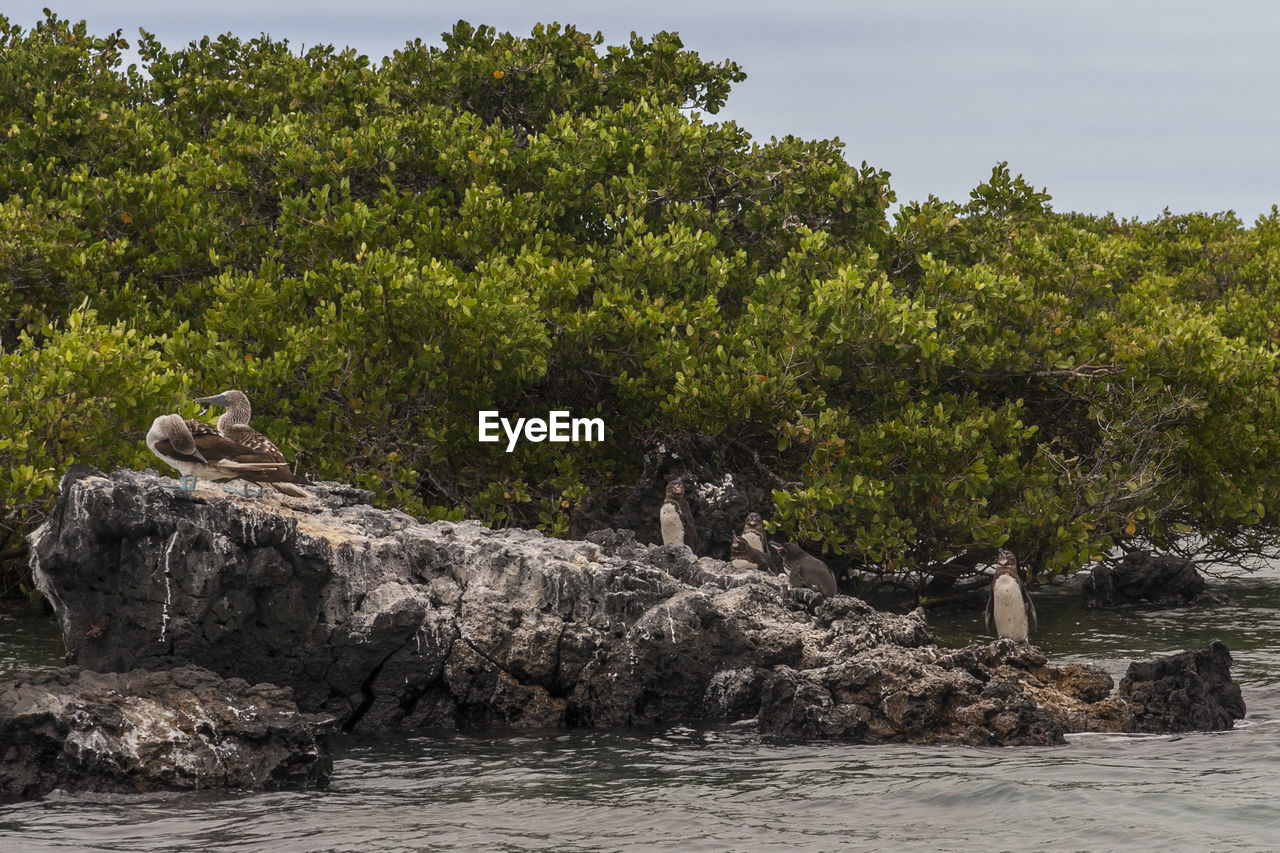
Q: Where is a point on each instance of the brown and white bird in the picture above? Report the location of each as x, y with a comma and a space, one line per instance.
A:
805, 570
195, 450
743, 556
753, 531
676, 520
233, 424
1009, 603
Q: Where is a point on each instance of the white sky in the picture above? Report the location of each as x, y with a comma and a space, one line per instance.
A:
1127, 106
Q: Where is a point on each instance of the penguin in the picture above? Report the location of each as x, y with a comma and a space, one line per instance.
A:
676, 520
805, 570
742, 555
1009, 603
753, 532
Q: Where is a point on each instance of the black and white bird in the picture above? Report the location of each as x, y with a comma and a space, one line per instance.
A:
1009, 604
195, 450
676, 520
742, 555
233, 424
753, 531
805, 570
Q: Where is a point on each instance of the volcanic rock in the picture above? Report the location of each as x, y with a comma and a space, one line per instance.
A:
183, 729
387, 623
1143, 578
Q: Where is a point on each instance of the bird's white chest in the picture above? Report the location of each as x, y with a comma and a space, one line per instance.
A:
1010, 610
753, 539
672, 524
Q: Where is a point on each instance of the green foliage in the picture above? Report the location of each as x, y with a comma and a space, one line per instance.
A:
375, 252
86, 393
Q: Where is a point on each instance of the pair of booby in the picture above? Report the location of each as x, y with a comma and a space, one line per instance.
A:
234, 450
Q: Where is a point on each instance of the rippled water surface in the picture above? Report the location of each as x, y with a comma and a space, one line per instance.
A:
724, 788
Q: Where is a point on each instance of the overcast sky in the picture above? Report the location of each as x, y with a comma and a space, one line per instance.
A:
1124, 106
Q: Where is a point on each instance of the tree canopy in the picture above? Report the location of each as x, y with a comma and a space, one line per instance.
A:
375, 252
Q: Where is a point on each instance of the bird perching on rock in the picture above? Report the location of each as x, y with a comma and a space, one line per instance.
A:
195, 450
742, 555
233, 424
1009, 603
676, 520
805, 570
753, 532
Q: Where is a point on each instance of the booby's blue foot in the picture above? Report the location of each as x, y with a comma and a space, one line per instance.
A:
186, 483
248, 490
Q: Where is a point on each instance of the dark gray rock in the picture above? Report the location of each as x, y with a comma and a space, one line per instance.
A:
390, 624
1186, 691
1143, 578
183, 729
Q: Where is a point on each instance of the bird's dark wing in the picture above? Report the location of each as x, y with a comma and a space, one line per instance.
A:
255, 441
1031, 608
164, 447
218, 450
690, 532
989, 611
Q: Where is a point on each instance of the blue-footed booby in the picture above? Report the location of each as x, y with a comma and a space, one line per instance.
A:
676, 520
1010, 603
233, 424
806, 570
196, 450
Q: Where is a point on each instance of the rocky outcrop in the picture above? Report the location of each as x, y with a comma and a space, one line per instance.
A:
997, 694
1143, 578
182, 729
387, 623
1188, 691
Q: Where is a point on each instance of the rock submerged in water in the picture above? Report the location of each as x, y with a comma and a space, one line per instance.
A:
1187, 691
1143, 578
182, 729
390, 624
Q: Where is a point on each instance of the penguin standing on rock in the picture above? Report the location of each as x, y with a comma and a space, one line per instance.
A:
805, 570
753, 532
1010, 603
676, 519
742, 555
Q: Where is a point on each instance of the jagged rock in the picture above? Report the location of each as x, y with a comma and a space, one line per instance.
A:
387, 623
183, 729
1141, 577
1186, 691
1001, 693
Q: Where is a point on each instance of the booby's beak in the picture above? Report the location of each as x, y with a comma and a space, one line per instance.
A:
215, 400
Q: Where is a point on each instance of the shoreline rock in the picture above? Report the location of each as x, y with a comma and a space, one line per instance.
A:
1147, 579
182, 729
389, 624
